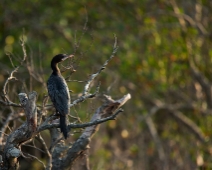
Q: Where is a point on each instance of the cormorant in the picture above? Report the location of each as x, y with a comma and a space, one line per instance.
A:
59, 92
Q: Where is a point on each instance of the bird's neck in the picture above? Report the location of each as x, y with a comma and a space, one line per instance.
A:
55, 68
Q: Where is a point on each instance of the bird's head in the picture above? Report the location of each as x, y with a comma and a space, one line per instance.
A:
61, 57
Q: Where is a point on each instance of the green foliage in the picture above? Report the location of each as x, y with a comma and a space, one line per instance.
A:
152, 63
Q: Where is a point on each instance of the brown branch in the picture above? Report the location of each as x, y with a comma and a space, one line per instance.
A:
183, 17
204, 83
188, 123
157, 141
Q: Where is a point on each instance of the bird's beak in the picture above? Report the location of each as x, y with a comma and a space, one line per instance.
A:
68, 56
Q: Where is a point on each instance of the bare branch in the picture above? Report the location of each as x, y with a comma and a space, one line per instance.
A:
23, 133
183, 17
29, 129
32, 146
85, 96
23, 49
9, 103
110, 107
49, 163
45, 125
204, 83
85, 28
191, 126
4, 127
93, 76
34, 157
157, 141
11, 77
5, 97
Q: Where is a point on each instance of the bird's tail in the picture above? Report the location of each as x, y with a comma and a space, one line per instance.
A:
63, 126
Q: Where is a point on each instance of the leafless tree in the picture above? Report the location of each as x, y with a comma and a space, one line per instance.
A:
61, 155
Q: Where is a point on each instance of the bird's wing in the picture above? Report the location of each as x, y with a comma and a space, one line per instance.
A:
59, 96
62, 101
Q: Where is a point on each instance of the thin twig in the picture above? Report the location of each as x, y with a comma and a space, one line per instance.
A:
93, 76
4, 127
85, 96
49, 163
11, 77
78, 81
29, 156
31, 146
85, 28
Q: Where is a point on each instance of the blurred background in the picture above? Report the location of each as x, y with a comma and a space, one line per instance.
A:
164, 61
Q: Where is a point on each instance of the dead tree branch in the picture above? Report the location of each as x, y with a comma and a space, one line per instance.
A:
109, 108
23, 133
4, 127
6, 101
85, 94
60, 156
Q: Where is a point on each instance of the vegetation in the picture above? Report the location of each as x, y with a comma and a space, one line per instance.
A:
164, 61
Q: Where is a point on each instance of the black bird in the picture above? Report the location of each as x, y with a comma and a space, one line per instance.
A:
59, 92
